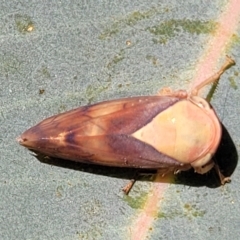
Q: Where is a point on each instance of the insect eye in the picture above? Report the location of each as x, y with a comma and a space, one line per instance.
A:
204, 168
200, 102
203, 165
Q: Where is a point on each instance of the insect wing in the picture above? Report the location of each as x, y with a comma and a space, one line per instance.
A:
101, 133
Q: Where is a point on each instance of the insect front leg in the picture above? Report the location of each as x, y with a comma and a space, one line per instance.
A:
215, 77
222, 178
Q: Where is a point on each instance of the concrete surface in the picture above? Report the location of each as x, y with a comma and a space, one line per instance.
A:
58, 55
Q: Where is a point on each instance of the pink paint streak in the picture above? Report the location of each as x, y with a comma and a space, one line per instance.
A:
146, 217
215, 49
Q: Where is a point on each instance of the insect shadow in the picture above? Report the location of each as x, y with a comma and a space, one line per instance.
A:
226, 157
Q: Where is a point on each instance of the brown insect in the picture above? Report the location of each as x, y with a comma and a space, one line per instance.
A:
174, 131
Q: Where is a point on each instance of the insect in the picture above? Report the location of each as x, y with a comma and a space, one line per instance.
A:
173, 131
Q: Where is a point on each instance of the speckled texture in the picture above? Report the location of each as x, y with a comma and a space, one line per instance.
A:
58, 55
